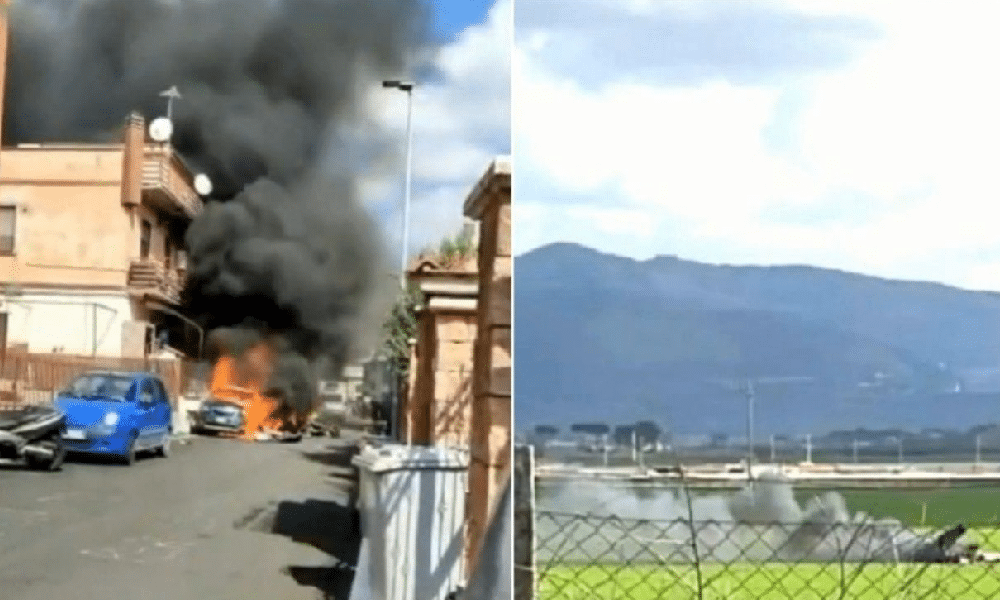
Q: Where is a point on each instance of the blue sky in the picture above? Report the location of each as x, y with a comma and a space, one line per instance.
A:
461, 122
839, 133
451, 17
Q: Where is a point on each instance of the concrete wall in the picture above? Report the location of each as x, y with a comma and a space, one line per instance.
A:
65, 323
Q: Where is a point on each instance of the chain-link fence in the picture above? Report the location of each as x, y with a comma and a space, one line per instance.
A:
586, 556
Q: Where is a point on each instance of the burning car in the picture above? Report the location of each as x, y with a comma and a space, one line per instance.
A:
241, 403
221, 416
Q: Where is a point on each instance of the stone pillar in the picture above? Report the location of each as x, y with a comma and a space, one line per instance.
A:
439, 406
4, 34
416, 419
489, 470
451, 408
133, 156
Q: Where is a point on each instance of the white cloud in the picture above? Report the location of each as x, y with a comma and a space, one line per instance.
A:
461, 121
892, 153
610, 229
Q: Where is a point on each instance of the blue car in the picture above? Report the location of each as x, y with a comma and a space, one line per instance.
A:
117, 414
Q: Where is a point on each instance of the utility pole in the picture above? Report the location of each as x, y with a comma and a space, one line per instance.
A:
750, 410
748, 386
809, 448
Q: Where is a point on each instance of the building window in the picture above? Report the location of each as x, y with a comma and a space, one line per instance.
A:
145, 238
8, 222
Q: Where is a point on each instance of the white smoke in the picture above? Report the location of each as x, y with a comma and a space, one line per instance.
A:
762, 522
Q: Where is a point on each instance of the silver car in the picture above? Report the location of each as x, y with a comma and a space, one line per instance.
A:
219, 415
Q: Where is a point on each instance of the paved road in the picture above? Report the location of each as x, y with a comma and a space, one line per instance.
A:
217, 519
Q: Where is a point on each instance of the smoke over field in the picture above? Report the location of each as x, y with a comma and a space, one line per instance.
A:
762, 522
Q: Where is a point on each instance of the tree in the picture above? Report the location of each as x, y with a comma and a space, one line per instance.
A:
647, 432
591, 428
400, 327
543, 434
623, 435
546, 430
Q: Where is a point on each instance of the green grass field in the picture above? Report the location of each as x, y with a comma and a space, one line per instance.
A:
918, 509
940, 507
934, 507
777, 581
771, 582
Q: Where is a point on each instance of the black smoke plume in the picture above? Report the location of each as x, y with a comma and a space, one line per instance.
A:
285, 251
265, 83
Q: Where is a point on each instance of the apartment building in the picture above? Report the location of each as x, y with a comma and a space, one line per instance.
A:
91, 249
91, 252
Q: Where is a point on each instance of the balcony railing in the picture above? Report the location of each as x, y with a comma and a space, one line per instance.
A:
152, 278
166, 183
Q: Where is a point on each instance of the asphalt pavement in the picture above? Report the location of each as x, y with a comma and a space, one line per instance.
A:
217, 519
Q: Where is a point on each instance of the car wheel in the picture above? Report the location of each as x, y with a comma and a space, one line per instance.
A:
51, 464
164, 449
128, 458
58, 458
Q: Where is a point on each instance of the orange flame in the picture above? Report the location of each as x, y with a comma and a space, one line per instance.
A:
242, 379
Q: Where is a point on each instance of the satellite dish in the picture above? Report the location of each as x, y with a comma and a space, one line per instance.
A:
161, 129
202, 184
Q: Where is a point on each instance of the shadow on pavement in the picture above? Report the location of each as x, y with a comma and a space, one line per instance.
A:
329, 527
343, 475
334, 455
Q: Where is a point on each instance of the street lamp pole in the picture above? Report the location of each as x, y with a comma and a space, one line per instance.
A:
405, 86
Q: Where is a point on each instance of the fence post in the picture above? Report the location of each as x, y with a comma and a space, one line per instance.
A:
524, 522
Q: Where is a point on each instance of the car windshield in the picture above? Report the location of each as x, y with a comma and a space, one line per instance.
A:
103, 386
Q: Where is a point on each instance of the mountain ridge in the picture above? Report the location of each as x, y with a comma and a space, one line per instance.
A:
658, 328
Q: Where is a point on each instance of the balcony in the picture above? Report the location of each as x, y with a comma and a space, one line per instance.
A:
150, 278
167, 184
